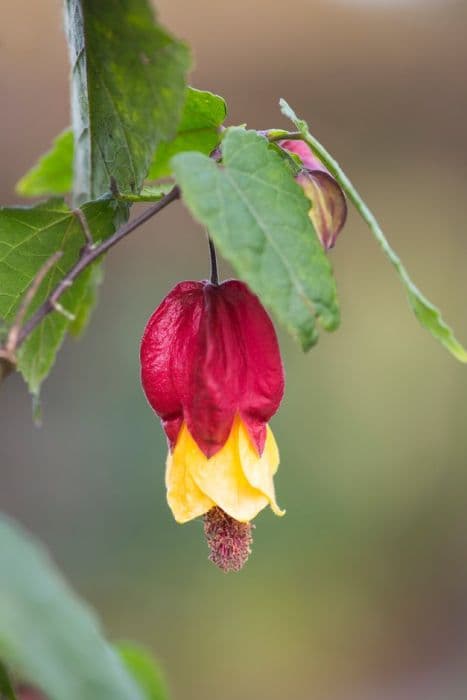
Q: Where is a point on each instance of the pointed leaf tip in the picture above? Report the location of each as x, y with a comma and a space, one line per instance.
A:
428, 315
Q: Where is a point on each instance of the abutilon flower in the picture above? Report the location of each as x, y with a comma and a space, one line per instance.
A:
211, 369
329, 207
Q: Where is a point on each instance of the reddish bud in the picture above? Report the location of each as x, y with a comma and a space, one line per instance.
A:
304, 152
329, 207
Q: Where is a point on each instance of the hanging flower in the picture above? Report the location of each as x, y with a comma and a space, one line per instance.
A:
329, 207
211, 369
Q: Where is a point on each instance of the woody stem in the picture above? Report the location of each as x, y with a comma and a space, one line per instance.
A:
89, 254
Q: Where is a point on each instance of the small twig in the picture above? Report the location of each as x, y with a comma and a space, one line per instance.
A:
80, 215
61, 310
15, 330
8, 358
88, 256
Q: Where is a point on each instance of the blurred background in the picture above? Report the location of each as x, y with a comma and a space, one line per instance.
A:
361, 590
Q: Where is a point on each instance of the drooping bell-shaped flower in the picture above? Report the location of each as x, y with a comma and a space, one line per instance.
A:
329, 207
211, 369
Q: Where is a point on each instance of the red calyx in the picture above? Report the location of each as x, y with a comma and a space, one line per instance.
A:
209, 352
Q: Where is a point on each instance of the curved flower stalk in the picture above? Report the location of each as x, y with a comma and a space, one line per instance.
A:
211, 369
329, 207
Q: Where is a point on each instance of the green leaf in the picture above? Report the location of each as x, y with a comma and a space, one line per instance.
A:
6, 689
258, 217
428, 315
128, 87
28, 238
89, 300
47, 635
52, 175
203, 114
144, 670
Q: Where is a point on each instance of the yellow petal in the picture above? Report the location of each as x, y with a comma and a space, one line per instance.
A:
260, 470
184, 497
222, 479
236, 478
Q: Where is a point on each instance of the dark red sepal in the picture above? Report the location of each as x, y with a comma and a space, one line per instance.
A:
209, 352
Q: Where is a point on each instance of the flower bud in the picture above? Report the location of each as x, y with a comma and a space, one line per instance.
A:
304, 152
211, 369
328, 204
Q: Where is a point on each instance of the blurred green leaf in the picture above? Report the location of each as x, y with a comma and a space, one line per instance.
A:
258, 216
53, 172
47, 635
6, 689
428, 315
28, 238
128, 87
144, 670
202, 115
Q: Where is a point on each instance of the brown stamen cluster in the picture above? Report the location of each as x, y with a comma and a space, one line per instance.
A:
229, 540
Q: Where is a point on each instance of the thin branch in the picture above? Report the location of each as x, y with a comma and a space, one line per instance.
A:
15, 330
8, 351
88, 256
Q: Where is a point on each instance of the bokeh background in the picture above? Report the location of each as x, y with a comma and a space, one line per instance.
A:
361, 590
